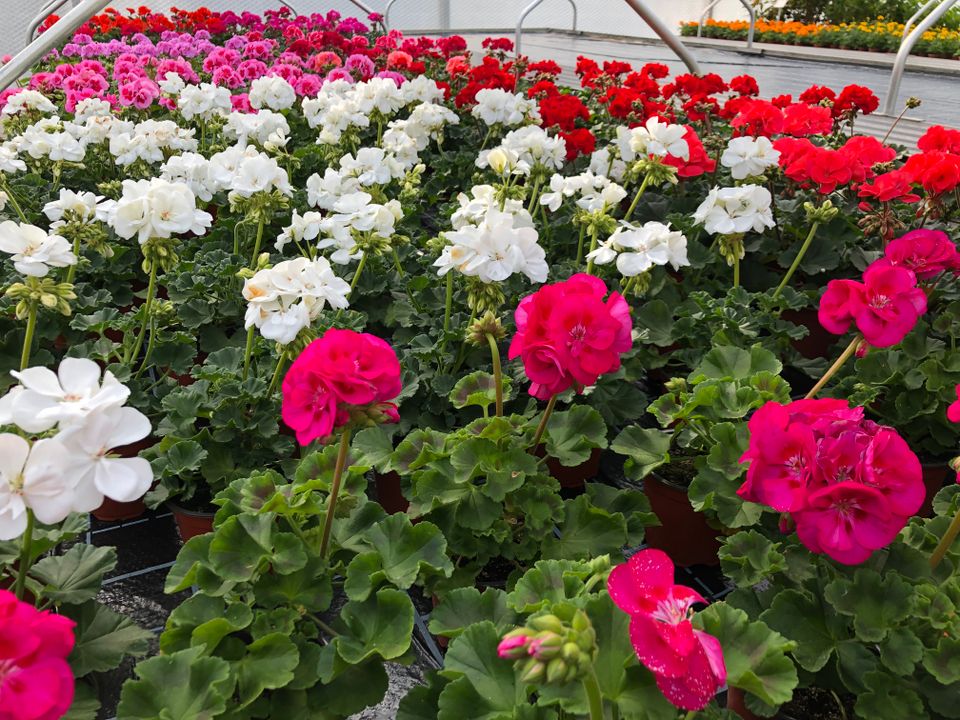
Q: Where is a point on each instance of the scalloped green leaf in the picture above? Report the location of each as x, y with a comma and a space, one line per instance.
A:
181, 686
462, 607
572, 435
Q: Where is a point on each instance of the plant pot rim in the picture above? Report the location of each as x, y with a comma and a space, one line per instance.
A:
667, 483
179, 509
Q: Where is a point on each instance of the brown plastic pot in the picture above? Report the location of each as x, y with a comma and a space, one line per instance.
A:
818, 340
389, 493
191, 523
736, 701
683, 533
934, 478
112, 510
571, 477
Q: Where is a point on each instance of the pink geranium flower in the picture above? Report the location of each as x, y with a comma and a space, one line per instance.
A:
953, 412
343, 368
35, 679
139, 93
568, 334
687, 663
927, 253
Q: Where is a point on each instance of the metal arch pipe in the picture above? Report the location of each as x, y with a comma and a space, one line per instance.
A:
669, 39
363, 6
386, 13
751, 12
903, 54
58, 33
289, 7
51, 6
523, 16
916, 16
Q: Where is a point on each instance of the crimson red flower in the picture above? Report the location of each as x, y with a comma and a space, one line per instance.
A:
588, 70
621, 102
544, 67
758, 117
563, 111
864, 152
782, 101
801, 120
341, 369
657, 71
814, 94
501, 44
853, 99
938, 172
937, 137
579, 141
884, 307
895, 185
744, 85
927, 253
568, 335
616, 68
688, 664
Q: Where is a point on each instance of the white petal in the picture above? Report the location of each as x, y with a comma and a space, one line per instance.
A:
78, 376
123, 479
41, 380
131, 426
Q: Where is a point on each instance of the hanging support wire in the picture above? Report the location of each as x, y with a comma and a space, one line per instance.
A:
50, 7
669, 38
903, 54
523, 16
751, 11
57, 34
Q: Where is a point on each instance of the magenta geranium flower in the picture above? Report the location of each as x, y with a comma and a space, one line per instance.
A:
687, 663
849, 484
342, 368
35, 679
953, 411
927, 253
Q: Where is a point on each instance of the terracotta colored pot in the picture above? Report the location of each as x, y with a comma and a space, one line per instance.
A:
934, 478
736, 701
577, 476
683, 533
818, 341
389, 493
111, 510
191, 523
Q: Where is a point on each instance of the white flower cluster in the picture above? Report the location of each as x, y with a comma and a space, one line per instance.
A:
749, 157
638, 249
28, 100
34, 251
498, 246
355, 212
597, 192
523, 150
10, 163
499, 107
49, 138
734, 210
272, 91
653, 138
285, 299
156, 208
83, 207
604, 161
150, 141
204, 101
262, 127
483, 198
73, 470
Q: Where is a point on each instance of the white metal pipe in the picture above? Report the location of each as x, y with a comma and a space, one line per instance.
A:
916, 16
669, 39
751, 12
363, 6
51, 6
703, 16
57, 34
903, 54
523, 16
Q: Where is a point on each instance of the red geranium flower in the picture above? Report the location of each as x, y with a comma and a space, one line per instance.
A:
579, 141
744, 85
855, 98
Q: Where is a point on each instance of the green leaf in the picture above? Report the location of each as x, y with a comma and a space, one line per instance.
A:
901, 651
733, 363
239, 545
409, 551
586, 531
756, 656
888, 698
646, 449
748, 558
75, 576
422, 701
573, 434
103, 638
374, 446
381, 625
268, 664
483, 686
876, 603
944, 661
462, 607
547, 582
641, 699
85, 705
184, 458
203, 621
478, 389
354, 688
183, 574
182, 686
632, 504
800, 617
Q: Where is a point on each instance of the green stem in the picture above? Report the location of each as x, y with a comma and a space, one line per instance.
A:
356, 275
690, 715
462, 353
594, 698
736, 272
335, 491
281, 363
236, 236
593, 246
151, 341
396, 262
447, 310
248, 351
28, 336
895, 122
796, 260
636, 198
25, 552
946, 541
322, 625
256, 243
844, 356
548, 411
13, 201
626, 288
72, 270
147, 306
583, 232
497, 373
534, 196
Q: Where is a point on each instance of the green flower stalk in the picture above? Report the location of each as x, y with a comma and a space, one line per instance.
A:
815, 216
335, 491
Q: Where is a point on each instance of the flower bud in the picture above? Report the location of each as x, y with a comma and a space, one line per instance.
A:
913, 102
955, 465
545, 646
532, 670
731, 248
489, 324
499, 161
557, 671
514, 645
546, 622
580, 622
823, 214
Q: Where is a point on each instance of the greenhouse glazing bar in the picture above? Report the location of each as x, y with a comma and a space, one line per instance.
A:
670, 40
529, 9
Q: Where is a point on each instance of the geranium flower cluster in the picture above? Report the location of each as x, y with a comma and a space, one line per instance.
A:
74, 469
638, 249
848, 484
687, 663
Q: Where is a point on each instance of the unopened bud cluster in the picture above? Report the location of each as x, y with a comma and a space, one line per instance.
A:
821, 214
550, 651
489, 324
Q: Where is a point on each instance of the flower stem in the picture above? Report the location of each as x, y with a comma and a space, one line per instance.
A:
28, 336
548, 411
248, 351
396, 262
844, 356
583, 232
447, 310
335, 490
356, 275
534, 196
151, 341
796, 260
147, 306
72, 270
26, 549
13, 202
593, 246
594, 698
690, 715
736, 272
895, 123
636, 198
281, 363
259, 239
497, 373
946, 541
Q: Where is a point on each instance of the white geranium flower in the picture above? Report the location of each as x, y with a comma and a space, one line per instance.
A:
372, 166
259, 126
272, 92
733, 210
422, 89
302, 228
28, 100
10, 162
49, 139
91, 107
171, 83
192, 169
36, 478
603, 162
34, 251
84, 207
494, 250
4, 198
259, 173
204, 101
653, 138
378, 94
157, 208
483, 198
324, 192
638, 249
749, 156
45, 399
149, 140
528, 148
495, 106
95, 472
607, 197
